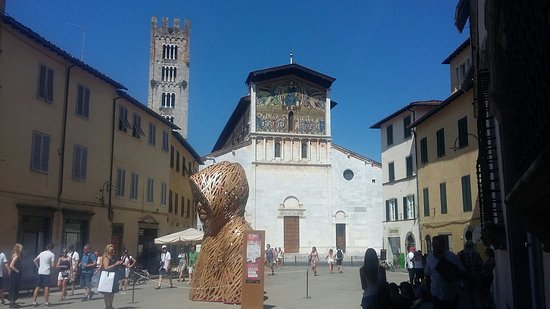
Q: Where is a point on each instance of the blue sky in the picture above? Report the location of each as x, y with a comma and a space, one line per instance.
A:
383, 54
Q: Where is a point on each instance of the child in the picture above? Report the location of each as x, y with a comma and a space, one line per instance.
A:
330, 260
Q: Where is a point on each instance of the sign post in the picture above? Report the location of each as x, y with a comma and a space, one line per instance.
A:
252, 296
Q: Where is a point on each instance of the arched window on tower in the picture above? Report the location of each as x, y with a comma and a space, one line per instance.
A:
291, 122
163, 99
175, 74
176, 52
163, 51
173, 103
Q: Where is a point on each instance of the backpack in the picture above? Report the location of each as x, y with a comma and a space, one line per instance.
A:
339, 254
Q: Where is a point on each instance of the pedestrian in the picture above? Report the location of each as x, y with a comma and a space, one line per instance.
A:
339, 258
473, 264
128, 262
16, 271
44, 262
3, 264
487, 277
444, 273
191, 261
109, 262
410, 264
63, 264
330, 260
87, 267
97, 271
418, 262
373, 282
280, 257
314, 260
73, 273
269, 258
182, 261
164, 270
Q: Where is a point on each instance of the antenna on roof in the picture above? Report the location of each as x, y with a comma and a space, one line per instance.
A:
291, 57
83, 29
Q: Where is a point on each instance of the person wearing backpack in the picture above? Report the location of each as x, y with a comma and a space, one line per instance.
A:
339, 258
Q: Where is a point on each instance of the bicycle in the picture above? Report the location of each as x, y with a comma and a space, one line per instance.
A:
138, 276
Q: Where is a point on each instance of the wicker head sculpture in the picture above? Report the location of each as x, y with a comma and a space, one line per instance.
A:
221, 192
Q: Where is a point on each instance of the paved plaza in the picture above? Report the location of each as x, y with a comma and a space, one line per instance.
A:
287, 289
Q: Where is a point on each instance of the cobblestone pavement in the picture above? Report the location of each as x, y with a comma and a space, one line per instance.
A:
291, 287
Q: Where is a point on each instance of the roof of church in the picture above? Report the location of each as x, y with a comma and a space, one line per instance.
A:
356, 155
62, 53
405, 108
243, 104
291, 69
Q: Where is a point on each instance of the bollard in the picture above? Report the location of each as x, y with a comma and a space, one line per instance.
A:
133, 289
352, 261
307, 283
294, 260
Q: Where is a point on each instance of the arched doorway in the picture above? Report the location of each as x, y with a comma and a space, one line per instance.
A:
340, 218
410, 242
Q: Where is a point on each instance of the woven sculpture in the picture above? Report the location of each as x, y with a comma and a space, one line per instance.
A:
220, 192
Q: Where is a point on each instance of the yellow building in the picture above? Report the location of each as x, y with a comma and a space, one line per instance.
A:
81, 161
446, 148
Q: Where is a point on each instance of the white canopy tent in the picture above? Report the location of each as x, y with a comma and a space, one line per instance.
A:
189, 234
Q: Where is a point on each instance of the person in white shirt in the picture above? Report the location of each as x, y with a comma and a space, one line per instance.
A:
44, 262
164, 271
75, 258
410, 264
3, 263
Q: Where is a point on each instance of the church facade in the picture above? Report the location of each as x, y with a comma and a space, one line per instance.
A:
305, 190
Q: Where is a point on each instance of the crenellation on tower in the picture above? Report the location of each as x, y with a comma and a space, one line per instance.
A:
169, 71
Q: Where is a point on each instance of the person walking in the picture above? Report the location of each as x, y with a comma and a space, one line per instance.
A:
63, 264
3, 264
44, 262
473, 264
487, 277
339, 258
128, 262
444, 273
373, 282
418, 262
73, 272
182, 261
164, 270
269, 258
15, 274
87, 267
330, 260
314, 260
410, 264
192, 257
109, 262
280, 257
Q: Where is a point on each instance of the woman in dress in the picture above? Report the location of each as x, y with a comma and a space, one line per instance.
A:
314, 260
280, 257
109, 262
330, 259
15, 274
373, 281
63, 264
182, 256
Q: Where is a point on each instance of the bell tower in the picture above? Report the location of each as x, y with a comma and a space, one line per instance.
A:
169, 71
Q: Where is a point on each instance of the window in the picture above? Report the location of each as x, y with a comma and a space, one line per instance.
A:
80, 160
164, 140
391, 210
168, 100
426, 198
188, 214
391, 172
463, 132
189, 170
45, 84
406, 130
291, 122
466, 193
152, 134
443, 197
120, 182
137, 131
40, 152
348, 175
424, 150
409, 165
409, 211
170, 201
277, 149
177, 161
150, 186
182, 205
176, 203
163, 189
134, 187
82, 101
440, 137
123, 124
169, 73
171, 156
183, 165
169, 51
389, 135
304, 150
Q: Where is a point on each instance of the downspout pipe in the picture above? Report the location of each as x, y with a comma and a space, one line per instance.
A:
64, 134
110, 211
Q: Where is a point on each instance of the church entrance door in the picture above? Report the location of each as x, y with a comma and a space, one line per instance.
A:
292, 234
